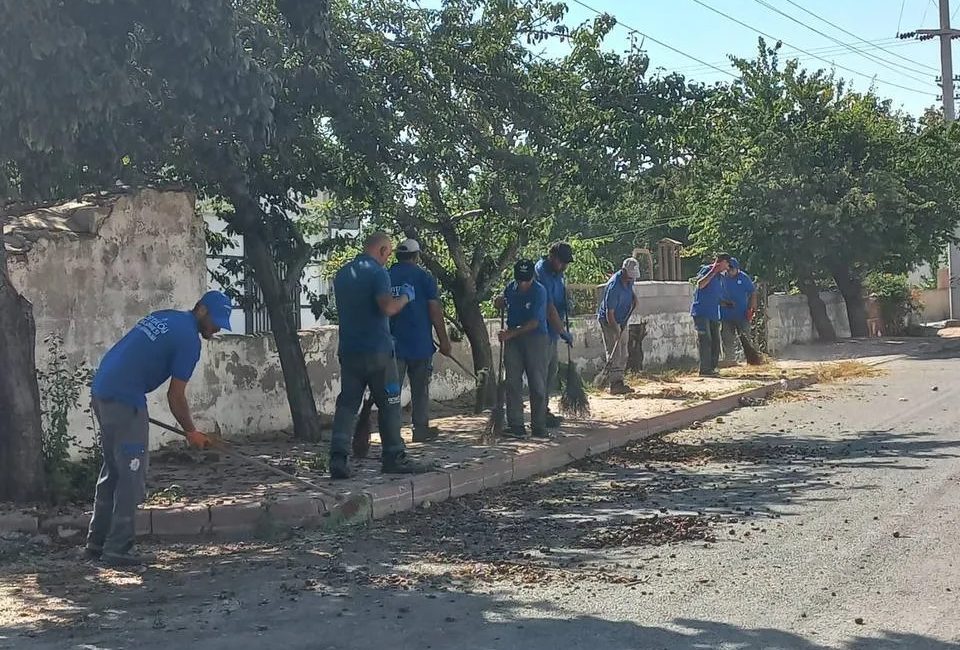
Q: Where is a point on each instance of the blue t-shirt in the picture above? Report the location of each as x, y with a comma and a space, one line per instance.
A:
556, 290
165, 344
412, 329
364, 329
523, 307
617, 297
738, 291
706, 301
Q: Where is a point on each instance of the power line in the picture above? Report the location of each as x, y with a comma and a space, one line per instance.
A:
900, 19
849, 33
661, 43
766, 4
828, 62
828, 50
925, 10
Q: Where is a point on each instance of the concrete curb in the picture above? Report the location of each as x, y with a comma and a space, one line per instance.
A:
312, 510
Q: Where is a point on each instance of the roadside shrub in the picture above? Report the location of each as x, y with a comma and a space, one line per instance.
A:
895, 299
60, 387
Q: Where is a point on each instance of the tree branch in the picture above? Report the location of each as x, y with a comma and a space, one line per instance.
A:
448, 231
295, 267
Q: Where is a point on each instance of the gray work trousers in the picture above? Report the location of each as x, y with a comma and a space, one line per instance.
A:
419, 372
527, 354
708, 342
378, 372
616, 352
729, 333
124, 439
553, 367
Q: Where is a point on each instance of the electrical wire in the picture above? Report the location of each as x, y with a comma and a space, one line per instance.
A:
830, 50
828, 62
925, 10
900, 19
849, 33
658, 42
766, 4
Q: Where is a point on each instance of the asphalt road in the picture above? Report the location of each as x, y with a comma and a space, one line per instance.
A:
828, 520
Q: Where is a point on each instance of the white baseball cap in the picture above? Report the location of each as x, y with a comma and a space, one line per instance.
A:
408, 246
631, 268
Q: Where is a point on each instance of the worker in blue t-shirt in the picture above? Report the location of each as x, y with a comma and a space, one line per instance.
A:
164, 345
613, 314
706, 312
413, 329
524, 344
365, 302
549, 272
737, 306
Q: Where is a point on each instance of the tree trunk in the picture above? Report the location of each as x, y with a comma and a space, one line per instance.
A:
818, 310
303, 407
851, 287
475, 327
21, 459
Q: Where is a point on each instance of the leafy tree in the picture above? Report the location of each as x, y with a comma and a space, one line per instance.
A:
812, 184
95, 92
479, 144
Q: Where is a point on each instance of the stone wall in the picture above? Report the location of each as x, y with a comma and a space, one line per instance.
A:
790, 322
93, 268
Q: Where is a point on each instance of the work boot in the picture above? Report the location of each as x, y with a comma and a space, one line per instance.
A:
620, 388
553, 421
519, 432
709, 373
403, 464
339, 467
432, 433
131, 558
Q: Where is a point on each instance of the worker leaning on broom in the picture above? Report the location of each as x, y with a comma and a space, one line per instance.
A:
163, 345
549, 272
524, 344
616, 307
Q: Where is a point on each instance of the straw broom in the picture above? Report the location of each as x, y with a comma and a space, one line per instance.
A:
574, 401
361, 431
497, 421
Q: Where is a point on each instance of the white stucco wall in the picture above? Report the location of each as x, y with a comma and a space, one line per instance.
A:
145, 251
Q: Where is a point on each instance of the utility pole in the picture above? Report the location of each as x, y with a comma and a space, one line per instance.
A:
946, 35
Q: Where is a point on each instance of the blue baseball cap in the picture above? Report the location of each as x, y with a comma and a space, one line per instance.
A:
734, 263
219, 306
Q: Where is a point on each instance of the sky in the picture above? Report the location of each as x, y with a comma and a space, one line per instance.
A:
902, 70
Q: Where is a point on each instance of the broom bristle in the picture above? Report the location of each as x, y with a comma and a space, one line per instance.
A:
753, 357
361, 431
497, 422
574, 401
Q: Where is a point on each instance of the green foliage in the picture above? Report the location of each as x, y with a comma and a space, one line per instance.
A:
802, 179
60, 387
895, 298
